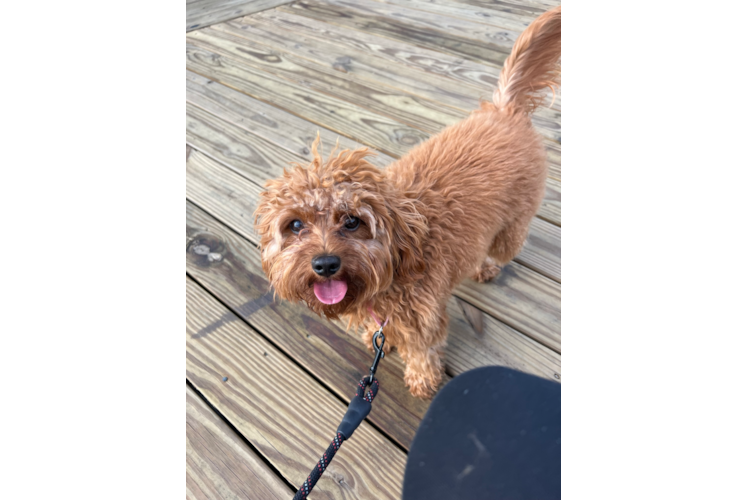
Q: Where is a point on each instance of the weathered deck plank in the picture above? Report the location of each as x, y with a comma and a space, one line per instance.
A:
532, 7
245, 152
202, 13
352, 121
514, 20
286, 415
355, 63
372, 70
542, 251
422, 114
472, 73
510, 17
476, 339
272, 124
224, 194
479, 77
488, 46
550, 208
474, 81
521, 298
334, 356
220, 464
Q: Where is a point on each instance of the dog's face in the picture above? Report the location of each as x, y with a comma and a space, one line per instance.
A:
328, 233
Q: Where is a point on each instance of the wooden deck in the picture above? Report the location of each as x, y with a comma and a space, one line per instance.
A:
381, 73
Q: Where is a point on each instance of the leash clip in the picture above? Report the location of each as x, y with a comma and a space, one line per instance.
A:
378, 352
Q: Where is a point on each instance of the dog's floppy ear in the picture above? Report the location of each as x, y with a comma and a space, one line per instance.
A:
408, 232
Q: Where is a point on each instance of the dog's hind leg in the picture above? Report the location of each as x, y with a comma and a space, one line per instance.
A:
487, 271
509, 242
505, 246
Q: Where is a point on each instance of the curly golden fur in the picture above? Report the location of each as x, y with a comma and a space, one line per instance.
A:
457, 205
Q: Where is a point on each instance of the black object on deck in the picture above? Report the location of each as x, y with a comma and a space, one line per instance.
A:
490, 434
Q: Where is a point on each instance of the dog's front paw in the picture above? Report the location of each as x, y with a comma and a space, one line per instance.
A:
420, 385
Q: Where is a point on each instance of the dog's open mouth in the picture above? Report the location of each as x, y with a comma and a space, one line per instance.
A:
330, 291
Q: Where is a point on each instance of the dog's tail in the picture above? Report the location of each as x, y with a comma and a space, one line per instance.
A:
532, 66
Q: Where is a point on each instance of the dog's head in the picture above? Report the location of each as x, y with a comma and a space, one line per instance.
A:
336, 233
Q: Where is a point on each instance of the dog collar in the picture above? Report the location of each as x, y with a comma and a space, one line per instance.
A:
376, 319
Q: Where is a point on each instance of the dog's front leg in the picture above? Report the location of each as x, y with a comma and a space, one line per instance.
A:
422, 349
423, 371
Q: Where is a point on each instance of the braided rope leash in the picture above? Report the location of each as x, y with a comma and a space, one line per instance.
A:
358, 409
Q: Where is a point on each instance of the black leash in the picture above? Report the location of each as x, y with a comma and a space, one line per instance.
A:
358, 409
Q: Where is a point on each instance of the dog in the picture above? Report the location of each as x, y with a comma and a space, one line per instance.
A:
353, 241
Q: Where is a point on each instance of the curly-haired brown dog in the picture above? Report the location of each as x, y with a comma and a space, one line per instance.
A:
348, 238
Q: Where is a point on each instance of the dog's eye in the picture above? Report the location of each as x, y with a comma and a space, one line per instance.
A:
296, 225
352, 223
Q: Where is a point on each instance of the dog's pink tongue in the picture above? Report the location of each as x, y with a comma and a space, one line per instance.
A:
330, 291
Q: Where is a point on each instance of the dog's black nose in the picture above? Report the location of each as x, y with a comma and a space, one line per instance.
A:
326, 265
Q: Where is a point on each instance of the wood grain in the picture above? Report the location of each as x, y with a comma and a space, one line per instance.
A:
420, 113
374, 71
542, 251
535, 7
272, 124
336, 357
553, 150
223, 193
431, 31
354, 122
397, 51
550, 208
480, 77
220, 464
455, 82
244, 152
273, 32
476, 339
427, 113
509, 19
202, 13
550, 212
522, 298
370, 131
508, 16
283, 412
